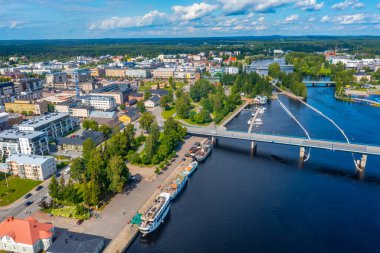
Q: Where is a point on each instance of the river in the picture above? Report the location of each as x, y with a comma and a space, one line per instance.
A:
268, 203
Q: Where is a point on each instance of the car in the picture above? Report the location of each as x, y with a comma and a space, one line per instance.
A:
135, 178
39, 187
43, 198
27, 196
183, 159
28, 203
80, 222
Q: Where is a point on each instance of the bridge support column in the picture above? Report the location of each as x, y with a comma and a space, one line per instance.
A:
214, 140
253, 148
363, 162
302, 153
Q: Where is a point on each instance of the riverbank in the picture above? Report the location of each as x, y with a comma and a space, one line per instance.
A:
124, 238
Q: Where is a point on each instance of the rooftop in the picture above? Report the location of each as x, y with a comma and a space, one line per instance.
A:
100, 114
42, 120
77, 243
15, 134
26, 231
29, 159
94, 135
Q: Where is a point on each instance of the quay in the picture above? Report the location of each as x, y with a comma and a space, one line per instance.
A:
303, 143
234, 114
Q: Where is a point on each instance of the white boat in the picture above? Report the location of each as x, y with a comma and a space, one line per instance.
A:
204, 151
261, 110
176, 186
258, 122
249, 122
155, 214
189, 169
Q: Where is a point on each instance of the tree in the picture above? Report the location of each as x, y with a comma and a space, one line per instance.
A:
106, 130
90, 125
201, 89
117, 173
140, 106
54, 187
274, 70
147, 95
77, 169
87, 147
172, 83
130, 132
51, 108
146, 120
122, 107
164, 102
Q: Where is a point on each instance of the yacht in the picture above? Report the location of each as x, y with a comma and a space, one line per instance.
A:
155, 214
176, 186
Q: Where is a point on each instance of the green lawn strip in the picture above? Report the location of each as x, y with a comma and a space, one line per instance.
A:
167, 114
190, 122
18, 187
70, 212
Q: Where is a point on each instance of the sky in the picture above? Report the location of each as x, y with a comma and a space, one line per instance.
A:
81, 19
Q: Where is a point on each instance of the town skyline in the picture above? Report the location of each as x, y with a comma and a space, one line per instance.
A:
39, 19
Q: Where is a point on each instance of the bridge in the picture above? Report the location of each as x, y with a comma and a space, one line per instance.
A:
313, 83
303, 143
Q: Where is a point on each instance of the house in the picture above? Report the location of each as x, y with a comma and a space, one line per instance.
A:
361, 76
129, 116
137, 95
77, 243
76, 143
25, 235
159, 92
131, 102
105, 118
152, 102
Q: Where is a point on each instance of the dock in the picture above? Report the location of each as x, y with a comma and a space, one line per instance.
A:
233, 115
253, 121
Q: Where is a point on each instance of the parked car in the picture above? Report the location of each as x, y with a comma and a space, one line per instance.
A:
28, 203
80, 222
27, 196
39, 187
43, 198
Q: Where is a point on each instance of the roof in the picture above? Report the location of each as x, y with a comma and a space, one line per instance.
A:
100, 114
131, 113
94, 135
155, 99
77, 243
137, 94
130, 102
26, 231
16, 134
29, 159
42, 120
159, 92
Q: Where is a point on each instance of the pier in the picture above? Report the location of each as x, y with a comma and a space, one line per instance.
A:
303, 143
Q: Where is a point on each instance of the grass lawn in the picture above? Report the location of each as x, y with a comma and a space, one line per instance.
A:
167, 114
17, 188
190, 122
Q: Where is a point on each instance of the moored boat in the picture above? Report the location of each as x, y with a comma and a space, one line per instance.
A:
205, 150
189, 169
155, 214
176, 186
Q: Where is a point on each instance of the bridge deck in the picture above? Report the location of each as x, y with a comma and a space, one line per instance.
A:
286, 140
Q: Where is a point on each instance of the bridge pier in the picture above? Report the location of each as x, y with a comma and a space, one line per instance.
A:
253, 148
214, 140
363, 162
302, 153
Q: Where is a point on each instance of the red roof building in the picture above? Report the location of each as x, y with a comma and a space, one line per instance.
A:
25, 235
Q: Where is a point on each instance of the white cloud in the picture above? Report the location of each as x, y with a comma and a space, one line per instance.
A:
194, 11
378, 6
260, 19
350, 19
16, 24
260, 27
291, 18
153, 18
243, 6
354, 4
325, 19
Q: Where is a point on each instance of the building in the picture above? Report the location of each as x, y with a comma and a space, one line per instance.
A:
231, 70
83, 75
98, 72
33, 167
159, 92
25, 235
152, 102
114, 72
54, 124
164, 73
23, 142
129, 117
27, 107
57, 80
4, 120
99, 102
137, 95
120, 92
189, 75
105, 118
80, 112
137, 73
8, 92
361, 76
77, 243
76, 143
29, 84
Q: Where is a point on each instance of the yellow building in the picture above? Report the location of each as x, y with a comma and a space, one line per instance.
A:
129, 117
115, 72
27, 107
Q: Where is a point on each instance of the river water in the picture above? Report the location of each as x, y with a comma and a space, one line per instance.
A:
269, 203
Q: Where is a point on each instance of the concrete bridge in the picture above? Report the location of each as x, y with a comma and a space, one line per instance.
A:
311, 83
303, 143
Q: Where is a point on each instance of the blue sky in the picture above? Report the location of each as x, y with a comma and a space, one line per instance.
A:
70, 19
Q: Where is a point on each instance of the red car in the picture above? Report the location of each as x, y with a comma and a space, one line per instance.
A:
80, 222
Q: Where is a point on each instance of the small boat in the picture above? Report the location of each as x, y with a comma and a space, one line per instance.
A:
176, 186
155, 214
189, 169
202, 154
249, 122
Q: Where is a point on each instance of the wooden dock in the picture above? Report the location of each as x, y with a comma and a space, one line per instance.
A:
253, 121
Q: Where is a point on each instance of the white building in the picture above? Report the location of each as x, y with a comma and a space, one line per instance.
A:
99, 102
137, 73
23, 142
152, 102
57, 77
231, 70
31, 166
164, 73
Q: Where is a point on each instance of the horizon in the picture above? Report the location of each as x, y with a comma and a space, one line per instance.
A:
114, 19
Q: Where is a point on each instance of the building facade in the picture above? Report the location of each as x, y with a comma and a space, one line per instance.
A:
25, 106
31, 166
115, 72
137, 73
164, 73
99, 102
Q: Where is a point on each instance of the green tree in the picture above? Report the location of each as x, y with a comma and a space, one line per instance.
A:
117, 173
51, 108
130, 132
77, 169
172, 83
106, 130
122, 107
140, 106
146, 120
274, 70
54, 187
147, 95
164, 102
87, 147
201, 89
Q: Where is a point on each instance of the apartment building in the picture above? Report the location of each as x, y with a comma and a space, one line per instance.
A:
23, 142
54, 124
33, 167
53, 79
120, 92
137, 73
114, 72
25, 106
99, 102
8, 92
164, 73
97, 72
